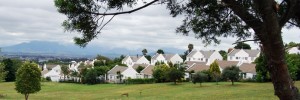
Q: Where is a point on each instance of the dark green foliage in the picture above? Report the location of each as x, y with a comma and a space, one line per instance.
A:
159, 73
101, 70
90, 77
139, 69
160, 51
261, 69
148, 57
65, 70
144, 51
293, 62
119, 76
232, 73
199, 77
223, 54
140, 81
2, 72
242, 45
11, 66
28, 78
174, 74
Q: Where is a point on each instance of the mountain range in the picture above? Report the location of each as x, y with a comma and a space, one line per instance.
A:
57, 49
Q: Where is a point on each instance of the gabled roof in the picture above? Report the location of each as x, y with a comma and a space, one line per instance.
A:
116, 69
50, 66
252, 53
248, 68
223, 64
133, 58
198, 67
168, 56
207, 54
155, 56
148, 70
190, 63
45, 71
125, 58
135, 66
192, 53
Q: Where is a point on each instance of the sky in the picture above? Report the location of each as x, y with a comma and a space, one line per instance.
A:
151, 28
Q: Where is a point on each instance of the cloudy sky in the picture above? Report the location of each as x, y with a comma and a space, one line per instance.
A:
151, 28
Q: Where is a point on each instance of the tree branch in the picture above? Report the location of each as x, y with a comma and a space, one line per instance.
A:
125, 12
291, 7
240, 11
245, 41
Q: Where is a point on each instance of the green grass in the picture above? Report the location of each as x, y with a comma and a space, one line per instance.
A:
161, 91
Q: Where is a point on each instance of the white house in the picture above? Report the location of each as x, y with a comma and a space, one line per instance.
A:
147, 72
54, 73
294, 50
204, 56
248, 70
243, 55
158, 58
127, 72
173, 58
131, 60
223, 64
196, 67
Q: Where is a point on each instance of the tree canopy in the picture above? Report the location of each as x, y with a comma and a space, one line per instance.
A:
232, 73
242, 45
160, 51
2, 72
208, 19
215, 70
28, 79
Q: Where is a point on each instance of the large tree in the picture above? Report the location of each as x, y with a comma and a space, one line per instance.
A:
242, 45
2, 72
65, 70
215, 71
232, 73
208, 19
28, 79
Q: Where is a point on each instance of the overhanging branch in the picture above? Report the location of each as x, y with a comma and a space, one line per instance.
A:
245, 41
125, 12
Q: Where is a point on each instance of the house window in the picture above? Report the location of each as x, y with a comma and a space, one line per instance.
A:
230, 58
246, 58
201, 59
193, 58
189, 59
198, 58
236, 57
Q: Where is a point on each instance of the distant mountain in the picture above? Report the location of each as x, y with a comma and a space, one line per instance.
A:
54, 48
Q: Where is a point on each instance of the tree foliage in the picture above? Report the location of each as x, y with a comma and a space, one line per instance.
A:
174, 74
261, 69
2, 72
159, 72
223, 54
139, 69
200, 77
11, 66
65, 70
160, 51
232, 73
28, 79
293, 62
242, 45
144, 51
215, 71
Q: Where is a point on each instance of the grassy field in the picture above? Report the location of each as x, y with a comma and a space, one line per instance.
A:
161, 91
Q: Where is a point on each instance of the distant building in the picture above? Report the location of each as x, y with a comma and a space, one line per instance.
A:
243, 55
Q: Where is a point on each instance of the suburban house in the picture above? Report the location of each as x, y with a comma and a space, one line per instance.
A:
126, 72
195, 67
204, 56
248, 70
148, 71
165, 58
54, 73
294, 50
131, 60
243, 55
224, 64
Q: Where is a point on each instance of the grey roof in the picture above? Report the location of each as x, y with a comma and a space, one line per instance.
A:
116, 69
155, 56
168, 56
190, 63
125, 58
223, 64
200, 66
50, 66
192, 53
248, 68
45, 71
148, 70
252, 53
135, 66
133, 58
207, 54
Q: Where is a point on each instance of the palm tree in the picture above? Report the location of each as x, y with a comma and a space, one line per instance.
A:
144, 52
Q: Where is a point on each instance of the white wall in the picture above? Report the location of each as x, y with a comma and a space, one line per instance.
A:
198, 56
240, 56
176, 59
159, 58
129, 72
294, 50
142, 60
215, 56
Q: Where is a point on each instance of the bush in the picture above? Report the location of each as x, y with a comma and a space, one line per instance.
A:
140, 81
48, 78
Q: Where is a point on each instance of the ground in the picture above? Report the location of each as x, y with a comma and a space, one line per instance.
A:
158, 91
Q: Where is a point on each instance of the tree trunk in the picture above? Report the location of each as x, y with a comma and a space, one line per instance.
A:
232, 82
26, 96
269, 34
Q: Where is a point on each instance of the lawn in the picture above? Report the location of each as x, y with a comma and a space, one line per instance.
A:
159, 91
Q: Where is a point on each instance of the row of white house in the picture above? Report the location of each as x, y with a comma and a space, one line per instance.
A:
195, 60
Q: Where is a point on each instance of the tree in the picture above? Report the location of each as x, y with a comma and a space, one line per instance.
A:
144, 51
208, 19
11, 66
159, 72
28, 79
293, 62
2, 72
174, 74
139, 69
160, 51
119, 76
242, 45
223, 54
90, 77
190, 49
261, 69
215, 70
232, 73
291, 44
200, 77
65, 70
